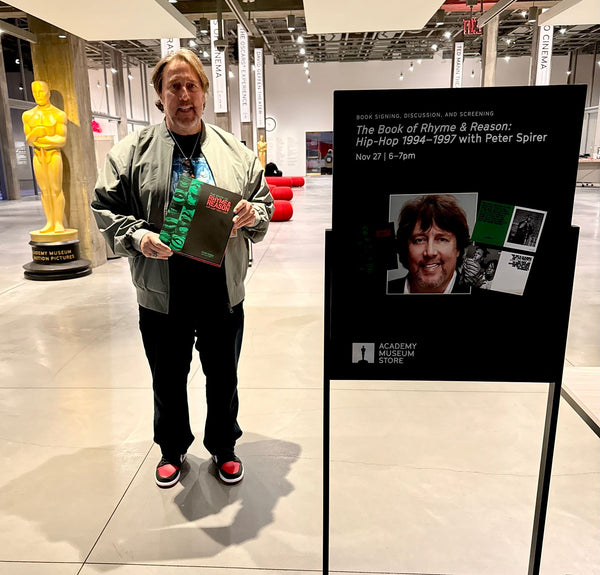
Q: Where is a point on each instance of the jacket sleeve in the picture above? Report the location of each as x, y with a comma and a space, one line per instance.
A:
116, 206
261, 200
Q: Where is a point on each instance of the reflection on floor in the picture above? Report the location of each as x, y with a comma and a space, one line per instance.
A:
435, 478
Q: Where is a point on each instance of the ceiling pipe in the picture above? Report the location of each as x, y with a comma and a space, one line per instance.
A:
239, 14
498, 8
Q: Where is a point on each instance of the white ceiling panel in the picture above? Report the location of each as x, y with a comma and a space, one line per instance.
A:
331, 16
111, 19
572, 12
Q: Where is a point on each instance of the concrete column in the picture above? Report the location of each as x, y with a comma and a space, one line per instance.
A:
10, 181
119, 87
61, 62
489, 52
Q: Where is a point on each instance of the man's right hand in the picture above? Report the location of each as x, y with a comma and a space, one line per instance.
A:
152, 247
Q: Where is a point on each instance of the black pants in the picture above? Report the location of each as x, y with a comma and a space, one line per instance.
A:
200, 315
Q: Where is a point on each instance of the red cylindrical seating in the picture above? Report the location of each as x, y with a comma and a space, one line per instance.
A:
282, 193
283, 211
294, 182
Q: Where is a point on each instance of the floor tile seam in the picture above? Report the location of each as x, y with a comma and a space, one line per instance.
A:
71, 387
12, 288
346, 572
61, 446
137, 471
462, 391
34, 562
430, 468
265, 570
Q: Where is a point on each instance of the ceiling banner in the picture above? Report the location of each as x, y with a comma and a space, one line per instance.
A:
544, 58
259, 86
219, 74
457, 65
168, 45
244, 72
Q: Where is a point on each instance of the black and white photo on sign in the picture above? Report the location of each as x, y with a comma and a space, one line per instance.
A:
480, 264
525, 229
433, 231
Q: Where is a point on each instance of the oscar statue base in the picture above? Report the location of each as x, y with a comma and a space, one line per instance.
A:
56, 261
48, 237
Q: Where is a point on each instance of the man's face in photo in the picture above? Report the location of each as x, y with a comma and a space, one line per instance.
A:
432, 256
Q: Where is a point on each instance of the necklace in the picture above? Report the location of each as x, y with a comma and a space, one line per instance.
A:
187, 160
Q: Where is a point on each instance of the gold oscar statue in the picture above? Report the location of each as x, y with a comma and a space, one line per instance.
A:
262, 151
46, 132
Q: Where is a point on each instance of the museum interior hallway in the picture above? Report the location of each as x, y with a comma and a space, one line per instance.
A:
429, 478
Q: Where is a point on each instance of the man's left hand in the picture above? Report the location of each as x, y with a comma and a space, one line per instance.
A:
245, 215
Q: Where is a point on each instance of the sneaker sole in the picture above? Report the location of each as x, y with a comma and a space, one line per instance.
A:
164, 484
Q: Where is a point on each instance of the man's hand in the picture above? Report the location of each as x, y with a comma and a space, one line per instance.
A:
152, 247
245, 215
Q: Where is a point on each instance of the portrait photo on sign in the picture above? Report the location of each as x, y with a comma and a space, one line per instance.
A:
525, 229
433, 231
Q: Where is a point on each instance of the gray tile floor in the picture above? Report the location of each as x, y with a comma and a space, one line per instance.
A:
444, 483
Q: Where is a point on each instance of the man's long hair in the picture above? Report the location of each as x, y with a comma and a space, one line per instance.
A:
443, 210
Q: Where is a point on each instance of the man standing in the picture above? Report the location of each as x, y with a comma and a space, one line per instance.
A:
432, 235
182, 302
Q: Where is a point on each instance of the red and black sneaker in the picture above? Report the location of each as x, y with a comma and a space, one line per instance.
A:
230, 467
168, 470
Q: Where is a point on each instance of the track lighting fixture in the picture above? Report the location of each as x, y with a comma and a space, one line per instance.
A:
532, 14
290, 22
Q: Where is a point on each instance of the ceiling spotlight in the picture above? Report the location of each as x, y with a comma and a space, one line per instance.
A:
205, 54
507, 40
306, 72
401, 76
306, 64
203, 25
472, 73
563, 30
173, 1
63, 36
419, 62
231, 75
507, 58
440, 16
524, 13
411, 67
290, 22
130, 76
568, 72
192, 43
17, 61
434, 47
302, 51
300, 39
447, 35
532, 14
98, 84
114, 70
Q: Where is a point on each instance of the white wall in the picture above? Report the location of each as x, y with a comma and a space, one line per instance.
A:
299, 107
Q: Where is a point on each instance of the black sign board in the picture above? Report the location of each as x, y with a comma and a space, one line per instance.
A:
452, 254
